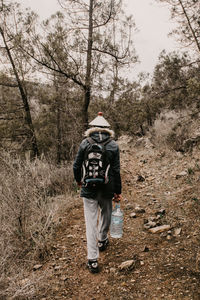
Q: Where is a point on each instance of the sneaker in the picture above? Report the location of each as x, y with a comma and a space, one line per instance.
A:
103, 245
93, 266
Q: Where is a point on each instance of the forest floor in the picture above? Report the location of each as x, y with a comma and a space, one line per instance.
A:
166, 186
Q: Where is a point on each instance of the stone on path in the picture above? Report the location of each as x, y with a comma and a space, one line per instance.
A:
37, 267
177, 231
159, 229
181, 174
133, 215
150, 224
160, 212
139, 209
127, 264
140, 178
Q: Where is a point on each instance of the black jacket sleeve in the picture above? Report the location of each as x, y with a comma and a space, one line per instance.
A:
115, 166
77, 166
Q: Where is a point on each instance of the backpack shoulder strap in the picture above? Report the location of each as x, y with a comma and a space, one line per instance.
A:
106, 141
90, 140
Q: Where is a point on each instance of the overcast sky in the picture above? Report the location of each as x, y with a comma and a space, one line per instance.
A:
154, 23
152, 20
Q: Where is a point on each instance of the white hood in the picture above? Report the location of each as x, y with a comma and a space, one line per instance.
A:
99, 129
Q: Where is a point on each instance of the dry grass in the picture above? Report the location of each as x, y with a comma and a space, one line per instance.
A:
28, 212
172, 128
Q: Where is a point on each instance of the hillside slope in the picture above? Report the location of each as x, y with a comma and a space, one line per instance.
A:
159, 188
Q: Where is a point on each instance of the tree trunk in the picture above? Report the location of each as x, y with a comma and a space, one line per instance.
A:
114, 84
88, 67
59, 140
28, 118
190, 25
58, 123
142, 130
149, 115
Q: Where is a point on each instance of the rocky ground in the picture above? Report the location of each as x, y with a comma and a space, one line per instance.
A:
159, 188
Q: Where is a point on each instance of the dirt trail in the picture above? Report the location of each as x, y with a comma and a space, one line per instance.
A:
164, 263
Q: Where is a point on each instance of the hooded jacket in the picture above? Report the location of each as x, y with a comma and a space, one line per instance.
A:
114, 184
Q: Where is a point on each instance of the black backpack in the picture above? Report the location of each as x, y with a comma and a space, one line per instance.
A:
96, 164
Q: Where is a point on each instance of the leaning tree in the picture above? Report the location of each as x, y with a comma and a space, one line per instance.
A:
14, 24
187, 15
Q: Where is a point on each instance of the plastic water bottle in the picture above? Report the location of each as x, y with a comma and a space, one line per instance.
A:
117, 219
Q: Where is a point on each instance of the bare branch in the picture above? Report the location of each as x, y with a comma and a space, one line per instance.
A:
9, 84
118, 58
170, 90
58, 70
190, 25
107, 20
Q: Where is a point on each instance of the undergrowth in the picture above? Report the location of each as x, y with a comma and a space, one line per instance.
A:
28, 208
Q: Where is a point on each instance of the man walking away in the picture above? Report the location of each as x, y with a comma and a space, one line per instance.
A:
97, 171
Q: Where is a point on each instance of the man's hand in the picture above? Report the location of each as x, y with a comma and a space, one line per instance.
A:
79, 184
117, 197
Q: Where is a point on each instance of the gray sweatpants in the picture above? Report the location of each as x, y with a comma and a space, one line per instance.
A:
96, 230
